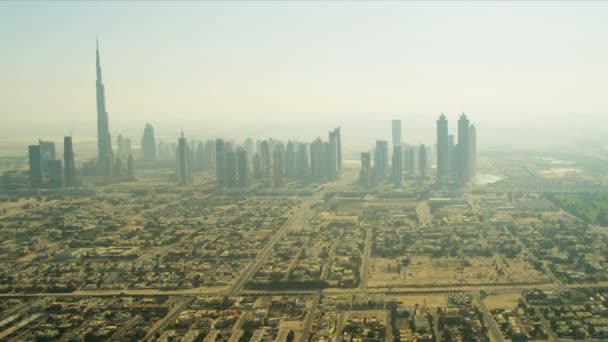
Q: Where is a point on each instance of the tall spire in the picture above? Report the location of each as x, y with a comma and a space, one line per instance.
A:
98, 61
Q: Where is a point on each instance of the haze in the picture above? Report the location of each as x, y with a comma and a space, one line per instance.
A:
293, 69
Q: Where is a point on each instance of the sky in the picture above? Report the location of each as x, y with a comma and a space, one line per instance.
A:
524, 72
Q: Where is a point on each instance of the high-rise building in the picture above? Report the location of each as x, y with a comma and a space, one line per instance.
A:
303, 165
317, 160
397, 166
339, 146
36, 173
380, 160
409, 159
365, 174
265, 163
464, 171
243, 168
442, 149
148, 143
183, 158
104, 141
209, 154
472, 149
130, 164
396, 125
422, 162
47, 153
257, 166
230, 168
68, 160
220, 172
277, 166
290, 160
451, 155
332, 156
55, 170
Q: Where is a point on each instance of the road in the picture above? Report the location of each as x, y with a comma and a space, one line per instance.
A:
493, 329
367, 251
171, 315
310, 318
300, 218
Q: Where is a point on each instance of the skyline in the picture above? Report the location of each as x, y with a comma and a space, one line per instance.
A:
218, 80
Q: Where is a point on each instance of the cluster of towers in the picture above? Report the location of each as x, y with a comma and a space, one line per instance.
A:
455, 162
410, 160
47, 170
272, 163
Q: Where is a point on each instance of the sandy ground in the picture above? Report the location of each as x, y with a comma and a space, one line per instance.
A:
502, 301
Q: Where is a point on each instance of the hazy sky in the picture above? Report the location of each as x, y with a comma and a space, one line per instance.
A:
297, 68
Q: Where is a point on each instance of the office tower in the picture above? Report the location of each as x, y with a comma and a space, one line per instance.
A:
290, 160
442, 149
277, 166
124, 145
243, 167
47, 153
68, 160
257, 166
183, 169
365, 174
339, 146
409, 162
265, 163
464, 172
380, 160
332, 156
472, 149
397, 165
209, 154
451, 155
148, 143
55, 170
200, 156
250, 149
220, 172
230, 167
303, 165
104, 142
422, 162
35, 158
317, 159
396, 132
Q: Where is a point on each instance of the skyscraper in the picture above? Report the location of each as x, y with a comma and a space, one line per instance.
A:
104, 141
220, 172
397, 165
243, 167
265, 163
124, 145
381, 160
55, 170
230, 168
332, 156
303, 165
442, 149
47, 153
339, 146
365, 174
35, 159
183, 158
422, 162
277, 166
472, 150
290, 160
148, 143
317, 160
68, 160
464, 171
396, 125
